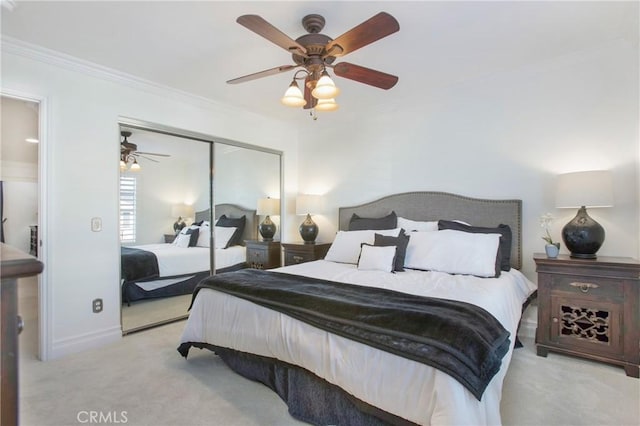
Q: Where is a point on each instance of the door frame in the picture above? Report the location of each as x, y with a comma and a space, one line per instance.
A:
44, 290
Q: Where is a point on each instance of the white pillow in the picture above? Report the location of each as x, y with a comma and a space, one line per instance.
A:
346, 246
203, 236
454, 252
183, 231
223, 235
377, 258
182, 240
414, 225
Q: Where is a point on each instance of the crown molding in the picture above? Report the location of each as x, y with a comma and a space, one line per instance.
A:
62, 60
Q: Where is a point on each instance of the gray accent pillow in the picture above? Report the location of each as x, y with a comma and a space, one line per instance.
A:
401, 242
357, 223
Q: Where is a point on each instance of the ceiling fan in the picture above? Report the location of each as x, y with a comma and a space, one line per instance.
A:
129, 153
315, 53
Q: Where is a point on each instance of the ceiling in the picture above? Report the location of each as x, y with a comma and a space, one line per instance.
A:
196, 46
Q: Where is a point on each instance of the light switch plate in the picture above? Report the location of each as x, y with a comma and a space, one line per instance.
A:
96, 224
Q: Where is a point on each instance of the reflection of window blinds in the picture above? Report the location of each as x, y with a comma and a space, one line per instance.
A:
127, 209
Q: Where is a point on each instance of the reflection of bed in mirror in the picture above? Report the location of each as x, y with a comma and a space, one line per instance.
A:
164, 270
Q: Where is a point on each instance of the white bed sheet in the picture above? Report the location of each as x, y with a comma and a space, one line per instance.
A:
174, 260
406, 388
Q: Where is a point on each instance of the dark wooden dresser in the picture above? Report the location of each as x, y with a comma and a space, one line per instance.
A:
590, 308
14, 264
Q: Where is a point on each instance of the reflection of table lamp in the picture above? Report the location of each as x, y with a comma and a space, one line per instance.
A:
308, 204
583, 236
266, 207
183, 212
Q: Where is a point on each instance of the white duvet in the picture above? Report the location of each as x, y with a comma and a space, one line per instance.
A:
406, 388
174, 260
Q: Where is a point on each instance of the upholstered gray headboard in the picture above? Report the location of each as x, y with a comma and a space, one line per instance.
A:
234, 211
431, 206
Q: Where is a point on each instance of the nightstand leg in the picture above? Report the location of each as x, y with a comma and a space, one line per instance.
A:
632, 371
540, 351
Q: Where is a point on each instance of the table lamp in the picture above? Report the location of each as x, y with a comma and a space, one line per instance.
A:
267, 207
583, 236
306, 205
183, 211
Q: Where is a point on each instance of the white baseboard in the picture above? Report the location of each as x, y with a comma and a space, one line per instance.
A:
529, 322
83, 342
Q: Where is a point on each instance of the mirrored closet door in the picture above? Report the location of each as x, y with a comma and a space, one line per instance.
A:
173, 186
164, 185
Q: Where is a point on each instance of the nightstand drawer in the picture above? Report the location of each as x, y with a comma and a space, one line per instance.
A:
263, 254
295, 258
257, 256
587, 286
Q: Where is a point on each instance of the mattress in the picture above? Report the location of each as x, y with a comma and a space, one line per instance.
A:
406, 388
174, 260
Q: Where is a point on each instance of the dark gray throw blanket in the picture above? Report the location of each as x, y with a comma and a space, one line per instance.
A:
137, 264
461, 339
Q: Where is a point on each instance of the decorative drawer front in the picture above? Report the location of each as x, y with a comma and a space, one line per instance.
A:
587, 286
293, 258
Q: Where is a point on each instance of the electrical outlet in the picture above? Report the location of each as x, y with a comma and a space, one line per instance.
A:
96, 224
97, 305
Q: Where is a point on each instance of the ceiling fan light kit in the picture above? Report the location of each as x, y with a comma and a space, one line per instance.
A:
129, 154
315, 53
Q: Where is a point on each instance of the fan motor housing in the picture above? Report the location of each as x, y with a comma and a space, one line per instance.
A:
315, 45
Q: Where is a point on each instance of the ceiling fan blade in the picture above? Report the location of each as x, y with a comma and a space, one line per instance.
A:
265, 73
365, 75
152, 153
145, 157
311, 101
261, 27
373, 29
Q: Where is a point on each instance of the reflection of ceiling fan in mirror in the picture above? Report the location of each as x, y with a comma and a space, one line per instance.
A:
315, 53
129, 154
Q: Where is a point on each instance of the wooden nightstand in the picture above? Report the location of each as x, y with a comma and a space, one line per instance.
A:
263, 254
590, 308
168, 238
295, 253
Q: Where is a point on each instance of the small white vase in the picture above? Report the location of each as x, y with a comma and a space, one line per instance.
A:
552, 250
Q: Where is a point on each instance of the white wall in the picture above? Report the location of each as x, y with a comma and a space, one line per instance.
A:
505, 136
82, 115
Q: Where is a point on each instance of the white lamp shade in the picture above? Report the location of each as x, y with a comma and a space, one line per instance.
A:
325, 88
268, 206
308, 204
326, 105
293, 96
590, 189
182, 210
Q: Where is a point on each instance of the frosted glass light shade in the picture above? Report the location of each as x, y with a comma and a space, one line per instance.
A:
293, 96
325, 88
268, 206
590, 189
308, 204
326, 105
135, 167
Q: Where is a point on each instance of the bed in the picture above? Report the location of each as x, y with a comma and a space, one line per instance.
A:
321, 360
165, 270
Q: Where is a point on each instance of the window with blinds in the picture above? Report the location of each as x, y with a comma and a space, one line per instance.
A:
127, 209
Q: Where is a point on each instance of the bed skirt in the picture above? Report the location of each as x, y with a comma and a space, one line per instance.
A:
309, 398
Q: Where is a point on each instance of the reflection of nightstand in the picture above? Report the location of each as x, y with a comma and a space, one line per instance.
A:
590, 308
168, 238
263, 254
295, 253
